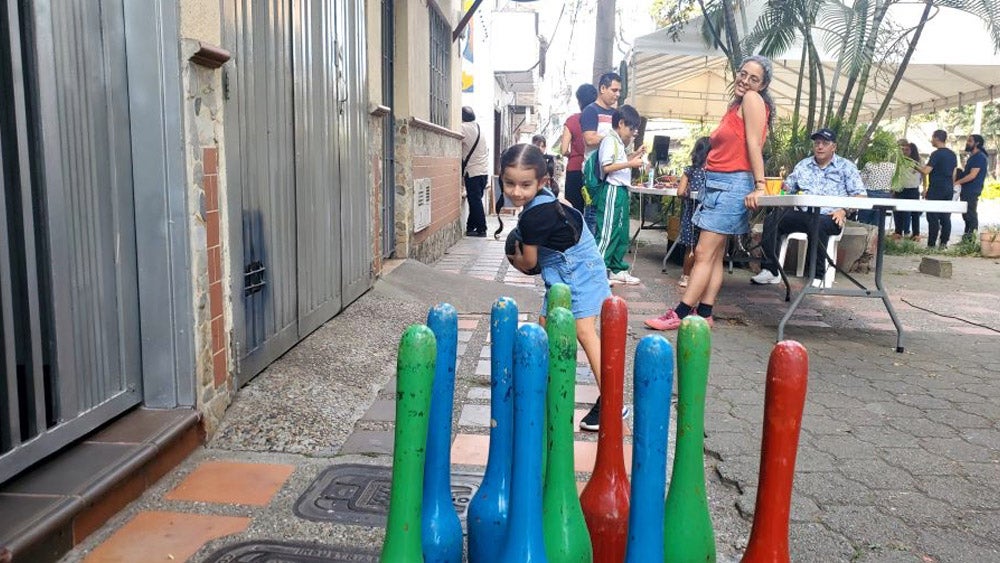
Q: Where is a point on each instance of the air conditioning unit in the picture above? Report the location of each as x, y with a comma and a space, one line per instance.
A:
421, 204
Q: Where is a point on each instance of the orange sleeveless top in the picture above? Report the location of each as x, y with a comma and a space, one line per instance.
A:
729, 145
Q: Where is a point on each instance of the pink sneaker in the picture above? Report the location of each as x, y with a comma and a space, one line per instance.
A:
670, 321
666, 321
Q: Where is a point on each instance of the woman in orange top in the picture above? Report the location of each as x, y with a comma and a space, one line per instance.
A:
734, 177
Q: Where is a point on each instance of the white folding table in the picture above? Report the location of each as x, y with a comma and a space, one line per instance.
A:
813, 203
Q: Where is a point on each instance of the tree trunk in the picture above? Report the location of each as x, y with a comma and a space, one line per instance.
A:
604, 38
928, 4
732, 35
798, 96
869, 58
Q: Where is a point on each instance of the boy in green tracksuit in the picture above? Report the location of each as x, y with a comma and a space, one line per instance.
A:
611, 198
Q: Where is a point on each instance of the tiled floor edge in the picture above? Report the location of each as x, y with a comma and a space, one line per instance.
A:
70, 524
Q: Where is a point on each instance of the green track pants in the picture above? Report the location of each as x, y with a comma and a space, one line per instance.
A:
612, 206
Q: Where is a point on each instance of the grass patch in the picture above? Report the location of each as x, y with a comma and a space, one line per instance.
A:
905, 247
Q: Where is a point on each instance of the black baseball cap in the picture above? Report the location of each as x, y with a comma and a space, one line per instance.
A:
825, 134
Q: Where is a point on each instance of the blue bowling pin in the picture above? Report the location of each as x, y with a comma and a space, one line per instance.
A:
654, 379
441, 531
525, 540
487, 519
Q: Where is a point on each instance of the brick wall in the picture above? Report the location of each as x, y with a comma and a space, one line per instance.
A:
445, 191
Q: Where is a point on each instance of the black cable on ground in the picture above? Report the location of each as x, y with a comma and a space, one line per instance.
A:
933, 312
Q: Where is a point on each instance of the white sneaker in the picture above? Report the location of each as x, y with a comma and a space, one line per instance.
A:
613, 281
624, 277
818, 283
765, 277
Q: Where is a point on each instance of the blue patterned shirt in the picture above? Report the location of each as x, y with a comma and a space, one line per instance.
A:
840, 177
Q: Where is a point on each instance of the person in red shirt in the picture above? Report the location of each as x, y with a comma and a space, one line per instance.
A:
734, 178
572, 146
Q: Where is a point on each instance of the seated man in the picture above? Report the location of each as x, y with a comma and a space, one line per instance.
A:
824, 173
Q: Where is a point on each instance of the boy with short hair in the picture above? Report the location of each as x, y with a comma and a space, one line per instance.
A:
611, 199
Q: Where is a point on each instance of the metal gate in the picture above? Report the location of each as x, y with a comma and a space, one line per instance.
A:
388, 130
299, 162
68, 290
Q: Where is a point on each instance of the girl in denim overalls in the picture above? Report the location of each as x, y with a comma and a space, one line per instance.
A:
551, 238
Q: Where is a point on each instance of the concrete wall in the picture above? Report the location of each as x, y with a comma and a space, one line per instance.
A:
425, 150
205, 150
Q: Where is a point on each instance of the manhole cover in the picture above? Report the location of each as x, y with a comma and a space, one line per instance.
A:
359, 494
265, 551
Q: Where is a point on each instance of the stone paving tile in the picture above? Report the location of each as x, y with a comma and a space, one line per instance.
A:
368, 442
164, 536
381, 410
479, 393
475, 415
229, 482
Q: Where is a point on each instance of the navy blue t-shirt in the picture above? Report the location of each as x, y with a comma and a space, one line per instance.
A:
943, 163
975, 186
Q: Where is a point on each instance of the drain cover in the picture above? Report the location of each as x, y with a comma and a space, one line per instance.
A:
359, 494
265, 551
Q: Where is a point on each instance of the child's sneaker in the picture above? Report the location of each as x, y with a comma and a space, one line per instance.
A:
666, 321
591, 422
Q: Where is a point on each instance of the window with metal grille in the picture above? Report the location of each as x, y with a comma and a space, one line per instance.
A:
440, 68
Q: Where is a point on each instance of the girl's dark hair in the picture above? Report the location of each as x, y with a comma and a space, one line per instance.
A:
699, 154
915, 153
586, 94
524, 155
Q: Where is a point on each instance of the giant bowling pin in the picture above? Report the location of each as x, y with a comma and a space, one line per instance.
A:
487, 518
653, 381
784, 399
605, 498
525, 541
442, 530
687, 525
558, 295
414, 379
566, 536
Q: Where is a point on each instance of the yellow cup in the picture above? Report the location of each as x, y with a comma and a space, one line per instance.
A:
772, 185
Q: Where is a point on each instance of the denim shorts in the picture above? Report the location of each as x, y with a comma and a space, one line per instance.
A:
722, 208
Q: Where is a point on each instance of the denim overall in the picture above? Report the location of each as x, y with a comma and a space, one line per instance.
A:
580, 266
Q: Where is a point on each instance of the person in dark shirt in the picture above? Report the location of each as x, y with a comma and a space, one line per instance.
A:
550, 239
972, 183
940, 170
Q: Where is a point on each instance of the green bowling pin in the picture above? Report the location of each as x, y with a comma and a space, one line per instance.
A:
558, 296
566, 536
414, 378
687, 525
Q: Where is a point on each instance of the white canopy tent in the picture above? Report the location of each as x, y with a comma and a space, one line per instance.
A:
954, 64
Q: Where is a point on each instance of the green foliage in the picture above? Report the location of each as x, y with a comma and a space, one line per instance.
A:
785, 147
907, 247
991, 189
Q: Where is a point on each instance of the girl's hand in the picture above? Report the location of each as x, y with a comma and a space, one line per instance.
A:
682, 190
751, 199
635, 162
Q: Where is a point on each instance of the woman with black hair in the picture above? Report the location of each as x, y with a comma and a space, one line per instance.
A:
734, 178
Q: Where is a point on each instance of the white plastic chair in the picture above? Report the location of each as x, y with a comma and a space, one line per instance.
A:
831, 251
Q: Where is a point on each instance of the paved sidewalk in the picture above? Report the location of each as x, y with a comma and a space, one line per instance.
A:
899, 457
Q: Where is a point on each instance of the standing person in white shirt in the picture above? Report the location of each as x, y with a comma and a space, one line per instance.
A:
611, 199
475, 172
